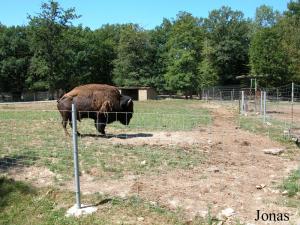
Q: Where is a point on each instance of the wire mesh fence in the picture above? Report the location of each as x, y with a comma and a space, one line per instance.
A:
29, 138
222, 93
37, 133
34, 147
29, 96
36, 137
281, 105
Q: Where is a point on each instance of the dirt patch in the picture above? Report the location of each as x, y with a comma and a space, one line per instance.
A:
37, 176
235, 167
180, 138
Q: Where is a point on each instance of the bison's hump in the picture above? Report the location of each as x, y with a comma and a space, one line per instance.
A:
91, 89
95, 95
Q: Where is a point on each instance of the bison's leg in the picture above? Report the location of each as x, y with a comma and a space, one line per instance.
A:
64, 124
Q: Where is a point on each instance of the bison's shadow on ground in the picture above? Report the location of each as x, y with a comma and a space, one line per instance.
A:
16, 161
274, 112
120, 136
102, 202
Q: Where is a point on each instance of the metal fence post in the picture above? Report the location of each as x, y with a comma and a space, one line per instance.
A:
265, 100
292, 99
261, 102
75, 154
242, 103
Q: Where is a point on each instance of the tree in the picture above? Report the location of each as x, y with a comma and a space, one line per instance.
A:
268, 59
289, 27
208, 76
229, 36
14, 60
106, 41
265, 16
293, 10
90, 55
184, 53
159, 38
46, 32
134, 58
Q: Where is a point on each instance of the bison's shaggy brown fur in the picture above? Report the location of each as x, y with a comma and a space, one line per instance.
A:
96, 101
101, 94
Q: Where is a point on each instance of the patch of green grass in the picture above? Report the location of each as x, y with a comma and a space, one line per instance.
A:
24, 205
160, 114
31, 136
174, 106
54, 152
10, 188
118, 160
292, 183
274, 130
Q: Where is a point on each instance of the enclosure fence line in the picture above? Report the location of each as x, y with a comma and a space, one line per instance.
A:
224, 93
34, 140
33, 144
274, 106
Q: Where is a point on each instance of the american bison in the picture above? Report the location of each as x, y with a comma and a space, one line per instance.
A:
102, 103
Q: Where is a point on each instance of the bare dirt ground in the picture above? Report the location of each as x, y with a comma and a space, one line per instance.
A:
37, 176
235, 165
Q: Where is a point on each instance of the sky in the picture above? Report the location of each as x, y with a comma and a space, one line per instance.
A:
146, 13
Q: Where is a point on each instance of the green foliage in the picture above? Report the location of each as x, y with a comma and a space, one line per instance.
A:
14, 60
184, 53
265, 16
290, 27
48, 45
159, 38
228, 33
293, 9
274, 47
88, 57
208, 76
134, 58
267, 57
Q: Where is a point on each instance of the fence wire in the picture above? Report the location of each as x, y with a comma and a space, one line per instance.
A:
221, 93
282, 103
34, 147
36, 137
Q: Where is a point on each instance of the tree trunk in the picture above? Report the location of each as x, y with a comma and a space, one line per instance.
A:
16, 96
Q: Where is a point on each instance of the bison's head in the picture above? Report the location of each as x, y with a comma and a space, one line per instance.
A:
126, 105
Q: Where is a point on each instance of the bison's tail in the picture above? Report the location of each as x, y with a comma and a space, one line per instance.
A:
60, 98
64, 97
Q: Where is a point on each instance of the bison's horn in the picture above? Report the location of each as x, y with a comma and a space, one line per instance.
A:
129, 101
